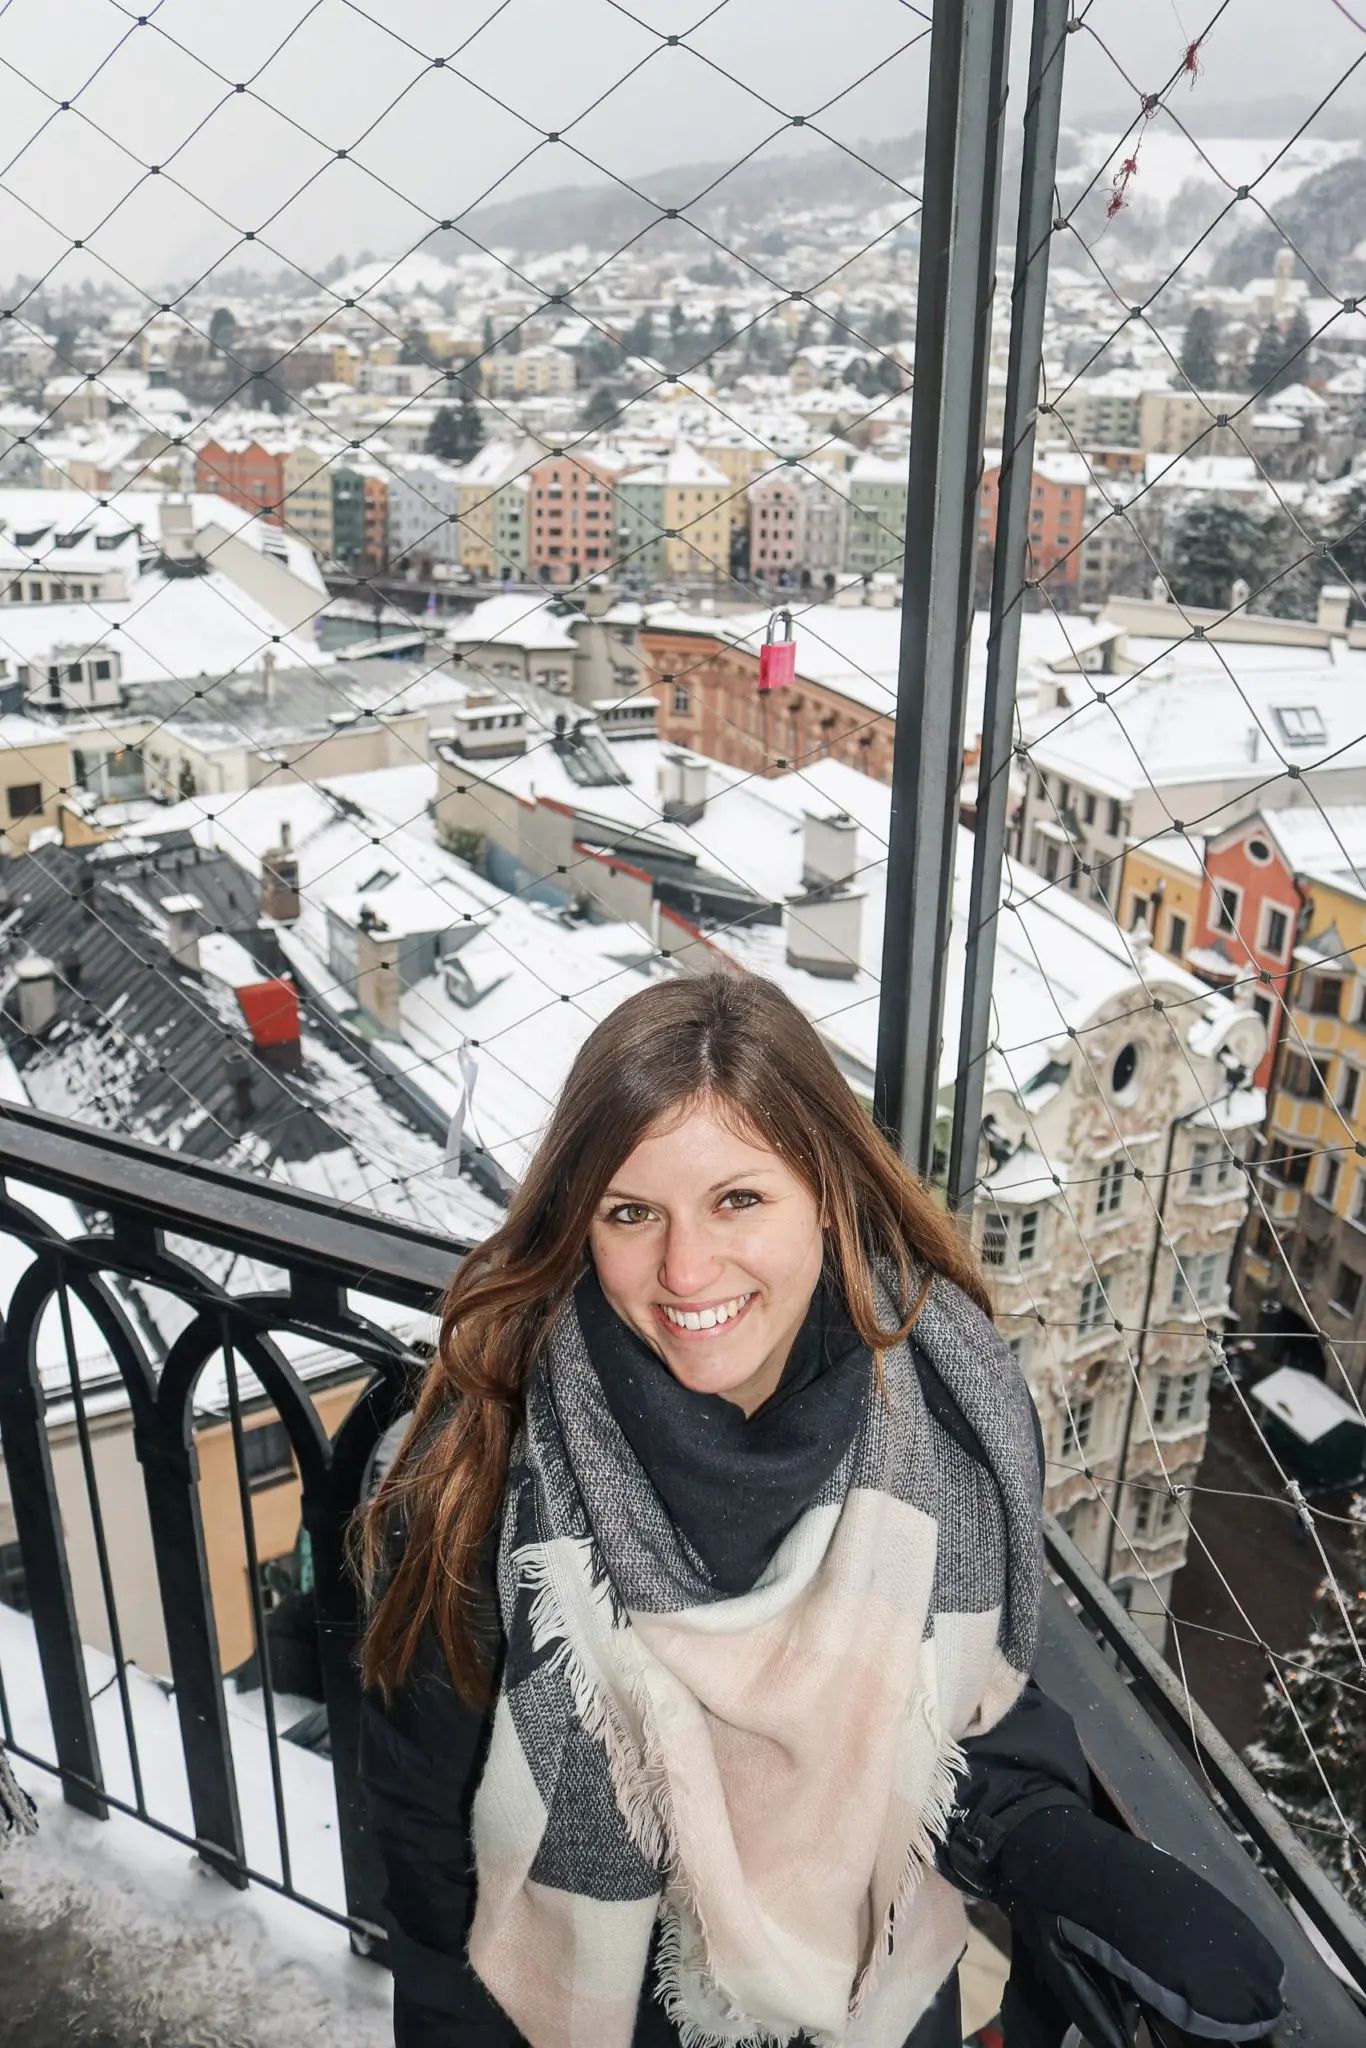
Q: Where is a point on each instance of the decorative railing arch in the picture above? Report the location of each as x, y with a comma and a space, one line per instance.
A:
140, 1198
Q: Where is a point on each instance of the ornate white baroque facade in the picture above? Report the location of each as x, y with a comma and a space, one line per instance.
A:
1110, 1208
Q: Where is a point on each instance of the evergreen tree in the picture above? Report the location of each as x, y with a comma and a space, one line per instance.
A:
222, 331
1199, 363
456, 434
1346, 536
1294, 352
639, 338
599, 407
1280, 357
1268, 358
1207, 547
1327, 1722
488, 334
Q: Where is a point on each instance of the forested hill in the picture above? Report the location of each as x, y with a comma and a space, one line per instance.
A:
769, 189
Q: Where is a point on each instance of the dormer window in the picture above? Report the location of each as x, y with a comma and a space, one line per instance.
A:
1301, 725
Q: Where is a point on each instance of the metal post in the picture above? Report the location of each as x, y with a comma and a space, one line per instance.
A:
1033, 238
968, 52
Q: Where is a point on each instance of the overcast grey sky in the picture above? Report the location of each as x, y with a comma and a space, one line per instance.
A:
431, 142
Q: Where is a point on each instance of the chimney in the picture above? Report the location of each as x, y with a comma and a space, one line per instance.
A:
268, 675
271, 1010
182, 929
280, 879
682, 787
37, 981
824, 931
829, 850
176, 517
1240, 593
1335, 603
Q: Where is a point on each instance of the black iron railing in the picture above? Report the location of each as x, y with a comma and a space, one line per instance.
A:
134, 1199
1193, 1797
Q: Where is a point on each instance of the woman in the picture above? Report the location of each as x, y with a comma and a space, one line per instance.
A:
705, 1594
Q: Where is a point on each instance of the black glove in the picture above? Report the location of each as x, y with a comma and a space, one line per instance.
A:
1115, 1927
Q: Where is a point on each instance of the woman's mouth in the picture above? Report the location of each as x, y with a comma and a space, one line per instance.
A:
702, 1322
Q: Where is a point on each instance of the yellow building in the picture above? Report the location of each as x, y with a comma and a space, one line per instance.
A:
1160, 886
740, 458
1304, 1270
307, 484
35, 774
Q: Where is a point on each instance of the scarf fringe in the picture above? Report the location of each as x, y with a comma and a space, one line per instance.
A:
673, 1968
637, 1772
932, 1826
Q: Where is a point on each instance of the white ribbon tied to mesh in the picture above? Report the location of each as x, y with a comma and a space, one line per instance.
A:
463, 1111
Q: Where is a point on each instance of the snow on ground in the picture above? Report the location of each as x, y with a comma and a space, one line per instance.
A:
166, 1954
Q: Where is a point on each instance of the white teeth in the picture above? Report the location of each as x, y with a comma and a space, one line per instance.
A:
706, 1318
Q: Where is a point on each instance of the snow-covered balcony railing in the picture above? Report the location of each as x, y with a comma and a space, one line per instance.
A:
156, 1303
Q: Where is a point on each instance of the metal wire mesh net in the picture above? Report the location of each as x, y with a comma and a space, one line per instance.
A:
1175, 772
382, 657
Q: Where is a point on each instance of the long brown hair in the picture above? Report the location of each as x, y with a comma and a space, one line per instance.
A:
733, 1039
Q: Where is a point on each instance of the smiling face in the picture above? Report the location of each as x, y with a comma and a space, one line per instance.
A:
709, 1246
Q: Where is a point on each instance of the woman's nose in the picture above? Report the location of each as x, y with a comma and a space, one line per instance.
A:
689, 1264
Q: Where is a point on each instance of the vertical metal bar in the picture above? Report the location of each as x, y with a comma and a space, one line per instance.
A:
101, 1545
968, 50
1028, 298
257, 1611
170, 1474
37, 1516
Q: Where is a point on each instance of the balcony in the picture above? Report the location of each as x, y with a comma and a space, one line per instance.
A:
160, 1305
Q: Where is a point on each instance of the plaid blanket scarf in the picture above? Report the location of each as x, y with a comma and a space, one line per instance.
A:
755, 1783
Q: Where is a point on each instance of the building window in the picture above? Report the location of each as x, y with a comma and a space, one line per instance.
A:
1110, 1188
1329, 1175
1198, 1282
1116, 817
1289, 1164
1093, 1310
1078, 1429
25, 799
1346, 1290
1325, 998
1213, 1166
1003, 1235
1349, 1089
266, 1454
1304, 1077
682, 701
1275, 931
1176, 1398
1176, 936
1227, 903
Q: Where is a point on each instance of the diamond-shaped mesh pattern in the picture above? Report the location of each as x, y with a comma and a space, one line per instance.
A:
458, 561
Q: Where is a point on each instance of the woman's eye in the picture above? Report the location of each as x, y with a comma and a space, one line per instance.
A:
630, 1212
740, 1198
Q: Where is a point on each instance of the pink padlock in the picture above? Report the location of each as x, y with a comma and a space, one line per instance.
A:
777, 658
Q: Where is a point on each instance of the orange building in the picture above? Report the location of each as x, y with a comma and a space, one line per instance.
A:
709, 700
245, 474
1056, 521
570, 519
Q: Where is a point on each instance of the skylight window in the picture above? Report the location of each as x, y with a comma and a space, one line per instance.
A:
1300, 724
379, 880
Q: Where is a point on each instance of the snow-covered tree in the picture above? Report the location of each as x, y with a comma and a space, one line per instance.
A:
1311, 1755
